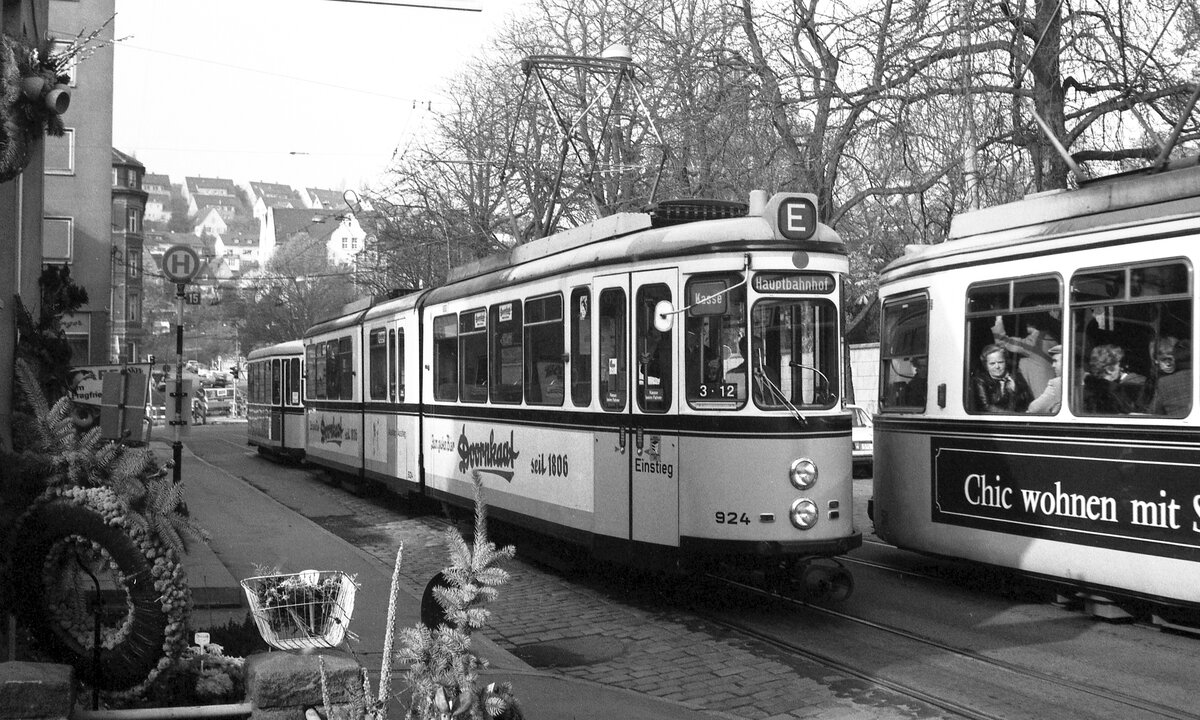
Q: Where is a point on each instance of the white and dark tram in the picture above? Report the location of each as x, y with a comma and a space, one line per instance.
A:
1037, 393
661, 388
274, 400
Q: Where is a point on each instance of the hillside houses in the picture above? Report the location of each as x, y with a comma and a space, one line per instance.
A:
246, 222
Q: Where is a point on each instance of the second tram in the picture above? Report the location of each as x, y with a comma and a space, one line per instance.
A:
1037, 398
274, 400
657, 387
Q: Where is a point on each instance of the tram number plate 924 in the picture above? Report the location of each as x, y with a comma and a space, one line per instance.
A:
733, 517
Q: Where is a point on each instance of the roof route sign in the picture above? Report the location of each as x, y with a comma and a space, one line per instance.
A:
180, 264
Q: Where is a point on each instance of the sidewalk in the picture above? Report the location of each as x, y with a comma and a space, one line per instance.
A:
248, 527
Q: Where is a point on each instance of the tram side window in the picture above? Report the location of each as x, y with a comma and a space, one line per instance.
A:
294, 381
276, 383
612, 382
318, 365
377, 362
506, 352
445, 357
1132, 340
795, 353
653, 352
544, 381
581, 347
904, 355
473, 355
716, 352
396, 340
345, 365
1014, 329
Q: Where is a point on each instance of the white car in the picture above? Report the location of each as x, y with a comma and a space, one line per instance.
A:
863, 433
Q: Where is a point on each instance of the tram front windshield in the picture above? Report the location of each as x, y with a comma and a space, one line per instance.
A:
794, 353
787, 358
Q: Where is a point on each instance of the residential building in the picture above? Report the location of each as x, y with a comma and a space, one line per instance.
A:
339, 231
210, 221
126, 331
200, 192
78, 223
158, 197
326, 199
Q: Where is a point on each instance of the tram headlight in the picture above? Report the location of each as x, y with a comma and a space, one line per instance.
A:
803, 473
804, 514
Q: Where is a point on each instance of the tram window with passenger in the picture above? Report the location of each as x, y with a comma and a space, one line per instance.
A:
715, 347
1012, 327
904, 354
1132, 330
795, 353
544, 351
581, 347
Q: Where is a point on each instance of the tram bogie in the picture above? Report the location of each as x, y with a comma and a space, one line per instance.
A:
1037, 402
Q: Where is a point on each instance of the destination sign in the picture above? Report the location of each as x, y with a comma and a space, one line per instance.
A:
794, 282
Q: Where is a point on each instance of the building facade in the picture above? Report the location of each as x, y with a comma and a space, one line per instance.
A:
77, 210
126, 325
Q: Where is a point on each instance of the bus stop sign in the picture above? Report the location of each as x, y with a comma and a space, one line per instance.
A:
180, 264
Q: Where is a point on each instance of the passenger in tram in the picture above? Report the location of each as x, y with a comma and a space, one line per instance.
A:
1033, 362
914, 391
737, 373
1109, 388
1051, 398
1173, 391
994, 388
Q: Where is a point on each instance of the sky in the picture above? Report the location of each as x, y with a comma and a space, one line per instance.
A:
311, 93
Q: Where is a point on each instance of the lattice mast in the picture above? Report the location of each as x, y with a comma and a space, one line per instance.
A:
603, 122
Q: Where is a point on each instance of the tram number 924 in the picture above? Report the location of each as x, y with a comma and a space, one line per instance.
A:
720, 391
732, 518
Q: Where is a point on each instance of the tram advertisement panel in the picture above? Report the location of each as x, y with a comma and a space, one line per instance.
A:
553, 466
1137, 498
334, 434
258, 422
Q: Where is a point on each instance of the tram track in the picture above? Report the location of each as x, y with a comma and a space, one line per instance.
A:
1021, 680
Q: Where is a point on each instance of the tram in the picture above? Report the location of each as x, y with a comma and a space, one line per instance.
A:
662, 389
274, 400
1037, 398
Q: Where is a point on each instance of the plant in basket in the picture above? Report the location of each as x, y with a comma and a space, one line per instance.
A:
308, 606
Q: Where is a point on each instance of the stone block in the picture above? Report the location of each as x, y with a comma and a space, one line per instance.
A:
36, 690
283, 680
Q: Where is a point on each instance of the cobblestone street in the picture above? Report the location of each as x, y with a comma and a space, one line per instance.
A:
599, 635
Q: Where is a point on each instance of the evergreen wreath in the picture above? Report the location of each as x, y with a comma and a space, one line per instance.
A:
107, 510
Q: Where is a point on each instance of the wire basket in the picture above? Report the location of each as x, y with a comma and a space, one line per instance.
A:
302, 611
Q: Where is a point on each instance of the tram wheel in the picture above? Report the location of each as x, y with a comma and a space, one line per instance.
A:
842, 584
817, 581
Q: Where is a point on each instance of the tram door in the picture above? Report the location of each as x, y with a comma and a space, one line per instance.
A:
637, 464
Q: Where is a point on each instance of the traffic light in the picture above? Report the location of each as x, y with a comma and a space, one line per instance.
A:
234, 370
